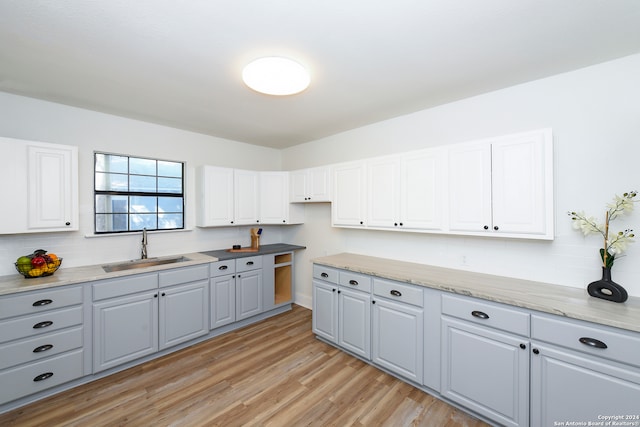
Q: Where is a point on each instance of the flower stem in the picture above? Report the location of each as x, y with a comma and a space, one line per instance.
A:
606, 235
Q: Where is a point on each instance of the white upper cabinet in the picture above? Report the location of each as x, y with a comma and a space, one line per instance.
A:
40, 190
405, 192
349, 195
274, 200
246, 202
503, 186
215, 196
311, 185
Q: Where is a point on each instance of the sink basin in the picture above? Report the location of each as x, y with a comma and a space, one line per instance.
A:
142, 263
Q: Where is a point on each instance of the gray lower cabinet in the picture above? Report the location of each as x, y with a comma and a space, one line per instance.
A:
325, 310
248, 294
41, 341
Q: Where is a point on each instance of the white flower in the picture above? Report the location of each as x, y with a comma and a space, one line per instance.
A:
587, 225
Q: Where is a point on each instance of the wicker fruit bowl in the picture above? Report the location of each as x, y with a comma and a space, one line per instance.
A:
38, 264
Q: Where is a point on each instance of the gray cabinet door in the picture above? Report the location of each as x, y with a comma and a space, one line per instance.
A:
569, 386
325, 310
354, 322
223, 300
124, 329
184, 313
397, 342
248, 294
486, 371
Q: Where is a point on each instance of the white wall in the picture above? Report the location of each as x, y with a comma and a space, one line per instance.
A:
595, 116
31, 119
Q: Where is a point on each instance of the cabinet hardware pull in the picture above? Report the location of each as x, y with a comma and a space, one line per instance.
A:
395, 224
592, 342
522, 346
373, 302
486, 227
495, 227
339, 292
536, 351
353, 282
222, 267
249, 262
163, 294
155, 295
42, 348
479, 314
42, 302
333, 290
43, 377
67, 223
43, 324
324, 275
395, 293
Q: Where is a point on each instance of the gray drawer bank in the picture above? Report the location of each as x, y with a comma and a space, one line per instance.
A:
505, 363
82, 336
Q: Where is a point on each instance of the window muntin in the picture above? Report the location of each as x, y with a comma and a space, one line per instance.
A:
132, 193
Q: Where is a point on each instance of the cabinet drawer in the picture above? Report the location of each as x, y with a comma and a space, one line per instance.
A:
35, 324
222, 268
39, 347
357, 281
248, 263
588, 338
486, 313
183, 275
398, 292
38, 376
36, 302
124, 286
325, 273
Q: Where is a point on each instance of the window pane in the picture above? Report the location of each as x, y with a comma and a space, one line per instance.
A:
169, 221
170, 204
139, 204
142, 183
111, 163
140, 221
170, 185
142, 166
111, 182
112, 204
169, 169
108, 223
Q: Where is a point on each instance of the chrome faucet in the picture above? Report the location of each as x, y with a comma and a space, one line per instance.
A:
144, 243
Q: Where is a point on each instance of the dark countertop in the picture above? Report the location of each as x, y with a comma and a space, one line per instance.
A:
223, 254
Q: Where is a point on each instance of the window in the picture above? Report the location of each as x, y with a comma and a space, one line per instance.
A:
132, 193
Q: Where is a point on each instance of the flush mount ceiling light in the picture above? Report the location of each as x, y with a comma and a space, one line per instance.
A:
276, 75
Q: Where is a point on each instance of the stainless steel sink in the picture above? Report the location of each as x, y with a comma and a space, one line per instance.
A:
142, 263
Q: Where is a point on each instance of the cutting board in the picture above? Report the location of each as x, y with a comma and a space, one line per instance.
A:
248, 249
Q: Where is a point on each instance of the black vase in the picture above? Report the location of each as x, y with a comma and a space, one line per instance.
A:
607, 289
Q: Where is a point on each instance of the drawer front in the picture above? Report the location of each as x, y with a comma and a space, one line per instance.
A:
36, 302
222, 268
248, 263
183, 275
356, 281
36, 324
398, 292
124, 286
38, 376
39, 347
588, 338
327, 274
487, 313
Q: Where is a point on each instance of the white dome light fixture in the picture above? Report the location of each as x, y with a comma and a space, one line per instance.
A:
275, 75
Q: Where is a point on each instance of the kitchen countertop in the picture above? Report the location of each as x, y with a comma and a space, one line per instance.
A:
68, 276
559, 300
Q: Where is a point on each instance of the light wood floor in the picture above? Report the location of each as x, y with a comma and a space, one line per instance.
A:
274, 373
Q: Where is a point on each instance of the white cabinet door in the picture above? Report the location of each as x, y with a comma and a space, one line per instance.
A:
422, 192
223, 300
398, 338
248, 294
124, 329
349, 195
215, 196
566, 385
354, 322
246, 197
383, 192
40, 187
311, 185
274, 200
299, 185
325, 310
486, 371
184, 313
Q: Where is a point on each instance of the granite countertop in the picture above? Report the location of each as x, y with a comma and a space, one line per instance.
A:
73, 275
559, 300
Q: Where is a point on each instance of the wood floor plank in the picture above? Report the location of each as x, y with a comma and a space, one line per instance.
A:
274, 373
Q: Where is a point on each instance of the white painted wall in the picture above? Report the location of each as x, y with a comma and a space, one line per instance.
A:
31, 119
595, 116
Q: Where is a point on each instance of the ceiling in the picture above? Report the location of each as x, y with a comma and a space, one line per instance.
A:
178, 63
